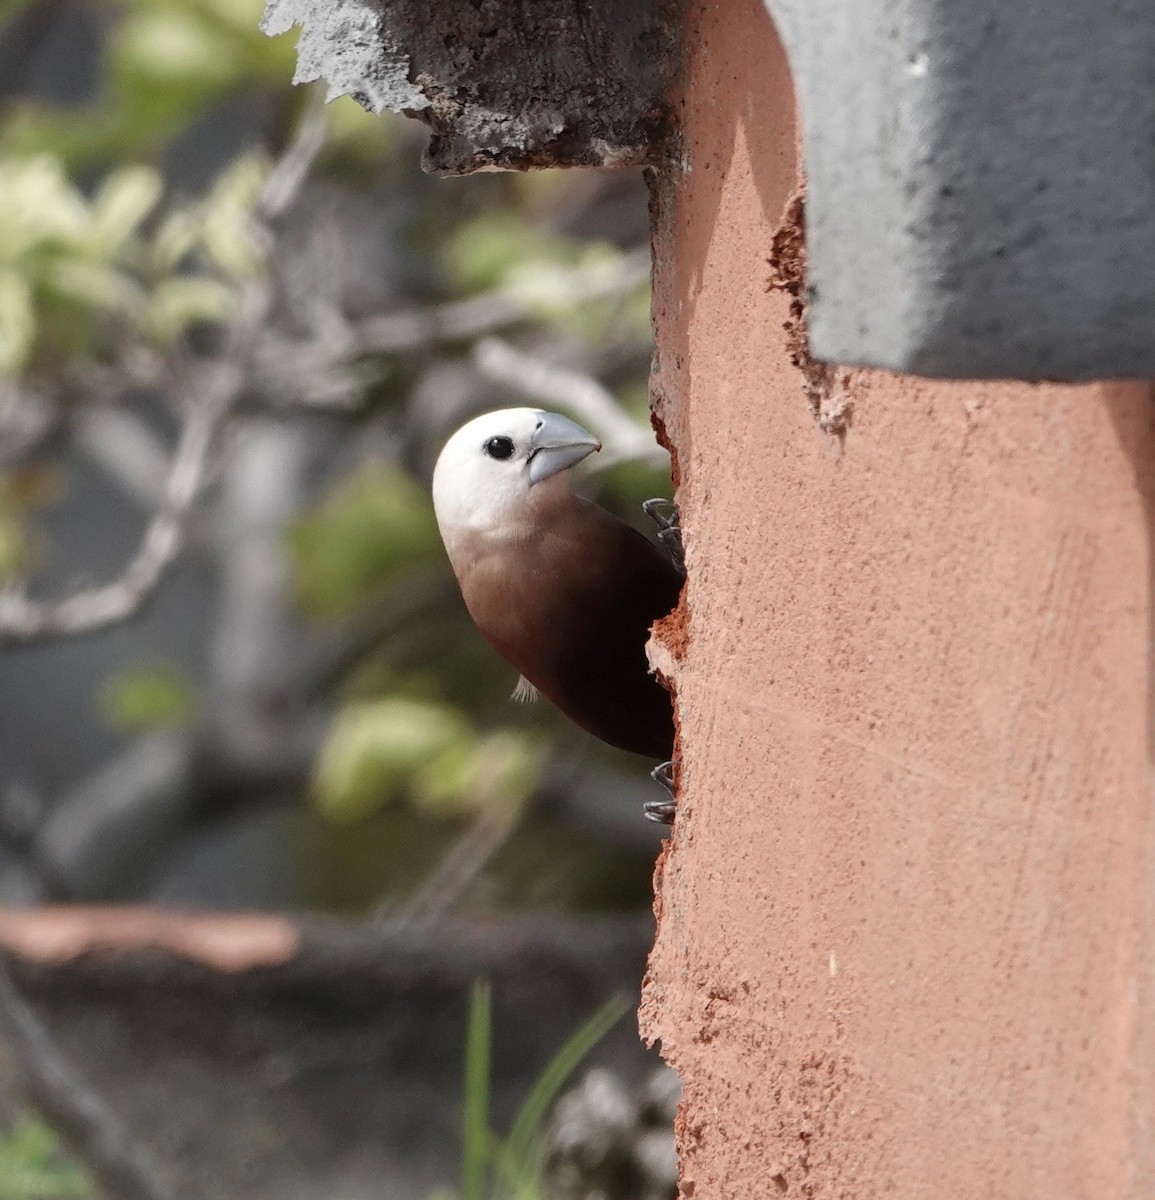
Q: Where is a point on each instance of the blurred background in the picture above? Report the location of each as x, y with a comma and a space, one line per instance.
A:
236, 326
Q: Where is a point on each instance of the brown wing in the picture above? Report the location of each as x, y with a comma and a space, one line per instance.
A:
599, 676
571, 609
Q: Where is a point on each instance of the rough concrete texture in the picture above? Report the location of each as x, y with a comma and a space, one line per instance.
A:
906, 913
980, 183
502, 84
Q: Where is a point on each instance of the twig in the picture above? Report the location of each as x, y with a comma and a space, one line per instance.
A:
23, 619
458, 869
322, 371
582, 395
69, 1104
122, 445
285, 181
463, 320
331, 367
207, 395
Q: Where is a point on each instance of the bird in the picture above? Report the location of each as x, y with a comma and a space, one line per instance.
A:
562, 589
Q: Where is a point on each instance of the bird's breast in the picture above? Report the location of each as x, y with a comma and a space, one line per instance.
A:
570, 608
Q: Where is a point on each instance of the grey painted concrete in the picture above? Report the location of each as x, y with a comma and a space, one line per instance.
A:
981, 183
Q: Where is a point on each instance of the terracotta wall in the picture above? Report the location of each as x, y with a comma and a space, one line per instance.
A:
906, 916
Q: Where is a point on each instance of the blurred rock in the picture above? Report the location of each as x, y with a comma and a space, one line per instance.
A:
611, 1141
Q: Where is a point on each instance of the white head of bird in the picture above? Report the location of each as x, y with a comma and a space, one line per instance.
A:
490, 475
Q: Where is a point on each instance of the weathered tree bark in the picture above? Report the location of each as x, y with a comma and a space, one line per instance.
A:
905, 916
502, 84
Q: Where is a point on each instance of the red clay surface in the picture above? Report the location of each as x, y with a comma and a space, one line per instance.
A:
906, 916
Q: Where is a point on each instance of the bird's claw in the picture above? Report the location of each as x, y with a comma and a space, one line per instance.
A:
662, 811
664, 514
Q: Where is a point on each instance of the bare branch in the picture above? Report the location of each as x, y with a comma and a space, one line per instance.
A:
321, 371
583, 396
464, 320
122, 445
452, 878
331, 367
288, 176
70, 1106
206, 394
26, 416
23, 619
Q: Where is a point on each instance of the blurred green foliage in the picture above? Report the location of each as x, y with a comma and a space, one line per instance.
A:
375, 749
499, 250
99, 250
72, 267
32, 1166
485, 251
372, 527
166, 61
148, 696
78, 262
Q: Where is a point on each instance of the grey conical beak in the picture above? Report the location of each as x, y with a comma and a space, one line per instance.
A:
557, 444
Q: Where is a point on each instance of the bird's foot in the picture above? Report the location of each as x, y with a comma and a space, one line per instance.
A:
662, 811
664, 514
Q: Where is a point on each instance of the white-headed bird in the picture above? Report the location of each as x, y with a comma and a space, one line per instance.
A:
561, 589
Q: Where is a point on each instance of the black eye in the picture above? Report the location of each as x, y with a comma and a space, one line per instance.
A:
499, 447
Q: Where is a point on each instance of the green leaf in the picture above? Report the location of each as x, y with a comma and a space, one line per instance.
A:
125, 198
495, 772
374, 525
518, 1159
32, 1167
375, 747
151, 696
17, 322
174, 239
227, 215
171, 44
519, 1145
546, 286
94, 285
355, 134
482, 253
178, 303
38, 207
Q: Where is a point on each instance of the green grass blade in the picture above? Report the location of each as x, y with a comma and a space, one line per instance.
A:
517, 1181
518, 1156
475, 1097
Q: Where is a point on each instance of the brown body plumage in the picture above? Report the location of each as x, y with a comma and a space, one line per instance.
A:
562, 589
570, 606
